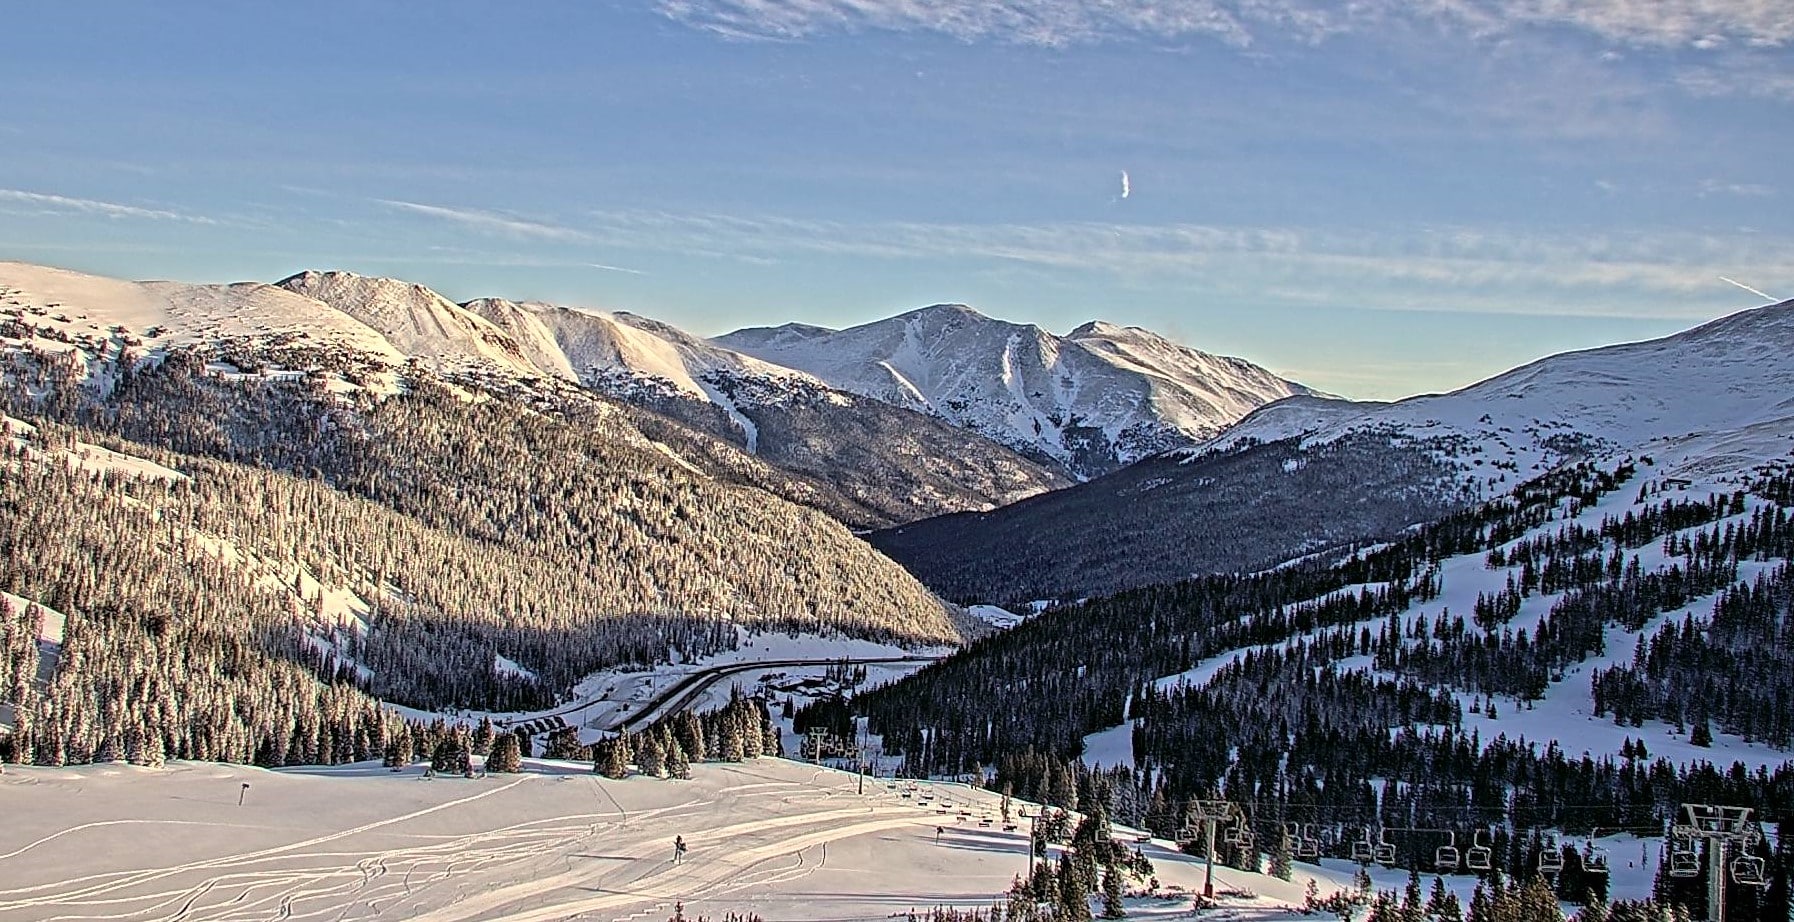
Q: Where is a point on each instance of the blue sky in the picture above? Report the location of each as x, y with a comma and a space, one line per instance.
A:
1380, 199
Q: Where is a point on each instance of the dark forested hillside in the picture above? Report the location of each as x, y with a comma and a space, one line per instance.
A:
406, 544
1167, 518
1332, 698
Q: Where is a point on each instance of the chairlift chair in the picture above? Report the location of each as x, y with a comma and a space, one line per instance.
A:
1445, 858
1479, 857
1307, 846
1362, 851
1551, 857
1594, 860
1750, 871
1385, 851
1683, 861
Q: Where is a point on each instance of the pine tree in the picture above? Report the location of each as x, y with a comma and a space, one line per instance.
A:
613, 758
1702, 734
1020, 904
649, 758
505, 756
1112, 890
452, 754
1074, 897
1411, 908
678, 766
1283, 856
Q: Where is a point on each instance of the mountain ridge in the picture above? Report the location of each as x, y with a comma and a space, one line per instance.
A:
1095, 399
1311, 472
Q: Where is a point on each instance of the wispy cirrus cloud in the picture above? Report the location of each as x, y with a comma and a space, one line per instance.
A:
1700, 24
1740, 189
1437, 269
72, 205
490, 221
1752, 77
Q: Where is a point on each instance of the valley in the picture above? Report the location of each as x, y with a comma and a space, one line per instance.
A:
476, 606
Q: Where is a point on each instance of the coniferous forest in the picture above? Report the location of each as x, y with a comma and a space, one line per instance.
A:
1291, 726
304, 555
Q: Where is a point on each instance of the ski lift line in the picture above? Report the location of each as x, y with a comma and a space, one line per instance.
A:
1285, 806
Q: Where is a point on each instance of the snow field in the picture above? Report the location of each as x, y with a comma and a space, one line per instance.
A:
783, 839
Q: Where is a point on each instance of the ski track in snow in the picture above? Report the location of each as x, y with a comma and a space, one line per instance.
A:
781, 838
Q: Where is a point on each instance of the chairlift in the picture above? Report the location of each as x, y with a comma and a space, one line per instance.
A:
1307, 846
1362, 852
1683, 861
1445, 858
1594, 860
1385, 851
1750, 871
1551, 857
1479, 857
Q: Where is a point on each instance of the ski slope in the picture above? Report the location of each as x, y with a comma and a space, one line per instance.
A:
783, 839
1565, 712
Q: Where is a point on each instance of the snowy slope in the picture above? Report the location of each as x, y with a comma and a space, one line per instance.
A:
1094, 399
178, 314
419, 322
1566, 711
595, 346
1713, 399
781, 839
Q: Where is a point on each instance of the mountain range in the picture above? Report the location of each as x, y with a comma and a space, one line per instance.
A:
1096, 399
1309, 473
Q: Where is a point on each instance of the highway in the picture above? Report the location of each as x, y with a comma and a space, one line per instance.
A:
692, 686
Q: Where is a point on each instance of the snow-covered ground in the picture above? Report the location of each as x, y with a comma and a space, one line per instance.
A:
783, 839
1565, 713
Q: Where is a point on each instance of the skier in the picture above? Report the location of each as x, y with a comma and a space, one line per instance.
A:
678, 849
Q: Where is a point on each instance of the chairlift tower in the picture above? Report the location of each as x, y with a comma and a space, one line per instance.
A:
1721, 827
1209, 813
816, 735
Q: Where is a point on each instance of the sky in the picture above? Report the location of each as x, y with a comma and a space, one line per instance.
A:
1378, 199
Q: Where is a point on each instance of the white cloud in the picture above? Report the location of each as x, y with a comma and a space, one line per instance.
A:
1444, 268
1750, 77
1641, 23
64, 203
503, 224
1741, 189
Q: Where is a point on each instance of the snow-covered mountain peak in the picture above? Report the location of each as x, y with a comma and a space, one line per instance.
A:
1103, 329
1711, 399
1103, 396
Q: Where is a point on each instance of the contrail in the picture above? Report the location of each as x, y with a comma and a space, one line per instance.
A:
1770, 298
616, 269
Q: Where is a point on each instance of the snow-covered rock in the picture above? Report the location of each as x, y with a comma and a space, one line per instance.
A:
1096, 398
